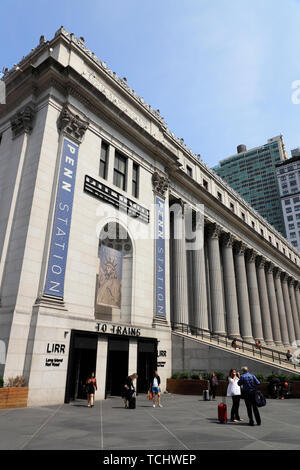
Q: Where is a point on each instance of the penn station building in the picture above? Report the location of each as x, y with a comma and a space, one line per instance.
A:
121, 251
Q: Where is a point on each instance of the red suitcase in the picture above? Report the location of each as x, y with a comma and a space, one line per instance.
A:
222, 413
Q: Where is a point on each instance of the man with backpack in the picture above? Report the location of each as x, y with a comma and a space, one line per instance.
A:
248, 382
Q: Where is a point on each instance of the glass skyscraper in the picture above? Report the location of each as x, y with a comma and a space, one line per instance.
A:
252, 174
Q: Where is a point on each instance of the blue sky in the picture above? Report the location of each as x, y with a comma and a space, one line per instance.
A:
221, 72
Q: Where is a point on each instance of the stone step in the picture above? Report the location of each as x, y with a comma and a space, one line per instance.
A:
256, 356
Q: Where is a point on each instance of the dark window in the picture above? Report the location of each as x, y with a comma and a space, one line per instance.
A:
243, 215
232, 206
120, 171
219, 196
103, 160
205, 184
253, 224
189, 171
261, 232
135, 180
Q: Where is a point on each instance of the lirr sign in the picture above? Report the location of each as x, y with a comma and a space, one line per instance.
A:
55, 277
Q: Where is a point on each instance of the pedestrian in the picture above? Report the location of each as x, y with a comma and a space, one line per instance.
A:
248, 383
213, 383
128, 389
234, 391
234, 344
155, 389
258, 344
91, 385
288, 355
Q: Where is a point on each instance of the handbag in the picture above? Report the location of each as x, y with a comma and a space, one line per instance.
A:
260, 399
150, 396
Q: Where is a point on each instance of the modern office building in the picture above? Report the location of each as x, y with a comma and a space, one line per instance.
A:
97, 272
252, 174
288, 175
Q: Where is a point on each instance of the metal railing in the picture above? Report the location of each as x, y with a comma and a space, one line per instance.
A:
262, 352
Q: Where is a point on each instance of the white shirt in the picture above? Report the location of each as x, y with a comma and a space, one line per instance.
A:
233, 387
155, 382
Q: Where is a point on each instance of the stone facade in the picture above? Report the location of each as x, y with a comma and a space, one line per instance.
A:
67, 108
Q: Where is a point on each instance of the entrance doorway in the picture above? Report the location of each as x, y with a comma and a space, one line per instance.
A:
147, 364
117, 366
82, 362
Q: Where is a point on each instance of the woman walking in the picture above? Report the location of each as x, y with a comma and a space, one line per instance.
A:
91, 384
234, 391
213, 383
155, 388
128, 389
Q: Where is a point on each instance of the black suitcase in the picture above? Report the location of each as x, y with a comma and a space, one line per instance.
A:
132, 403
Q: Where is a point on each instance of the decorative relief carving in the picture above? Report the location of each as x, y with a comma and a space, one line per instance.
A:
72, 124
22, 121
239, 248
227, 239
284, 277
160, 184
214, 230
260, 262
292, 281
251, 255
277, 273
270, 267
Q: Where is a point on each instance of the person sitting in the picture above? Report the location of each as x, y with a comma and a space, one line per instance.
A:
234, 344
288, 355
258, 344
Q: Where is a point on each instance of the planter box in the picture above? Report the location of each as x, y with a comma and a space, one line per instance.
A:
187, 386
13, 397
196, 387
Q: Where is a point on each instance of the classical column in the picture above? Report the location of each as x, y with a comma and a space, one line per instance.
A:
272, 297
288, 309
215, 277
281, 308
180, 295
297, 294
264, 301
253, 295
242, 291
200, 309
294, 308
232, 313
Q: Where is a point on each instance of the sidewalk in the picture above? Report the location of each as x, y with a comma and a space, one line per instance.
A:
184, 423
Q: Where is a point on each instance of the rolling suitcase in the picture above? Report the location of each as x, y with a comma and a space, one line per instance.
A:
222, 413
132, 403
206, 396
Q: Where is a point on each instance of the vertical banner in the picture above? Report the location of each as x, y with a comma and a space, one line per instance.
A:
160, 258
110, 277
62, 220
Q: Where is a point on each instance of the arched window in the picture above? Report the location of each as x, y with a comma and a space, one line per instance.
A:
114, 279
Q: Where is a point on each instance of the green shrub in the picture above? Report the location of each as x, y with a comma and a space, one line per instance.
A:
175, 375
1, 382
295, 377
260, 377
220, 375
184, 375
195, 376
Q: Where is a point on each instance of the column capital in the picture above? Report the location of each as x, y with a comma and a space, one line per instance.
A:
277, 272
251, 255
227, 239
284, 277
239, 247
214, 230
160, 184
71, 124
270, 267
292, 281
260, 262
22, 121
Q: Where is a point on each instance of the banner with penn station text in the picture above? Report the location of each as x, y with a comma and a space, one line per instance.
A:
55, 276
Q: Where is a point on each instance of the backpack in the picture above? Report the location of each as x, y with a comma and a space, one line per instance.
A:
260, 399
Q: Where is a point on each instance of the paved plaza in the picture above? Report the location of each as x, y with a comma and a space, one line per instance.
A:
184, 423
